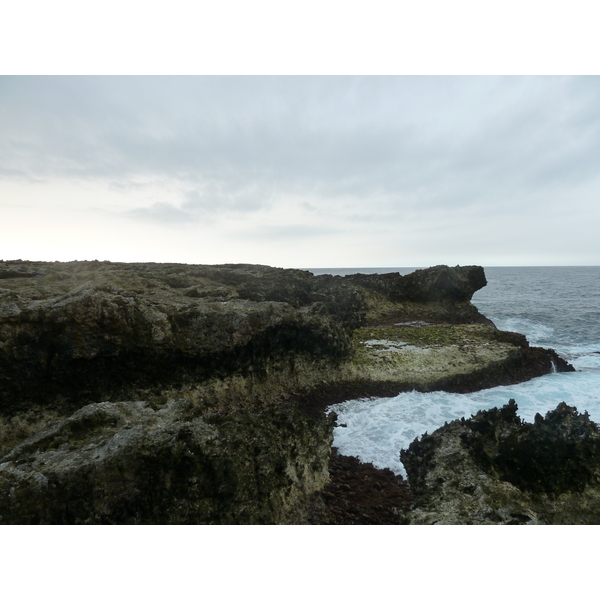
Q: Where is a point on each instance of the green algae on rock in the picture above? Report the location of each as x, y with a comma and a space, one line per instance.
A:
450, 357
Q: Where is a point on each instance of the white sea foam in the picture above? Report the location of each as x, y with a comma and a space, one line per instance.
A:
391, 346
583, 357
377, 429
536, 333
555, 307
586, 361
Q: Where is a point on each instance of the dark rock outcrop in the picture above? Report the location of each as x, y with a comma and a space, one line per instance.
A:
495, 469
522, 365
436, 284
82, 331
75, 333
438, 294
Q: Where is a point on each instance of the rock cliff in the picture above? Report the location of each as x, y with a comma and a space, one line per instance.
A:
166, 393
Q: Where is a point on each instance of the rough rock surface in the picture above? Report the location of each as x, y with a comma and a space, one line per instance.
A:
444, 285
130, 463
361, 494
75, 333
455, 358
495, 469
84, 331
95, 357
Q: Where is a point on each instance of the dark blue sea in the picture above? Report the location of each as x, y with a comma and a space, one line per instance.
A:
555, 307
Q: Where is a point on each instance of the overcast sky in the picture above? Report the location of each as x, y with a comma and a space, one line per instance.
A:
301, 171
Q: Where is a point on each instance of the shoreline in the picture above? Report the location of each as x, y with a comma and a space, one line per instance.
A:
240, 360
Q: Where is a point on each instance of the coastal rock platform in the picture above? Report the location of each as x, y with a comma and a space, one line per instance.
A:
168, 393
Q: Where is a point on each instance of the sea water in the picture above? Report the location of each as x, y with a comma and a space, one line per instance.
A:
555, 307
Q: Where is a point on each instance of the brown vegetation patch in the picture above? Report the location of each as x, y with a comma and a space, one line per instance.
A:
360, 494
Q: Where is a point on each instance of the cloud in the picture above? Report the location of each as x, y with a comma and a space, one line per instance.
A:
227, 196
162, 212
353, 148
289, 232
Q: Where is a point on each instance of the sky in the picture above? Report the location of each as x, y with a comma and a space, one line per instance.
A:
301, 171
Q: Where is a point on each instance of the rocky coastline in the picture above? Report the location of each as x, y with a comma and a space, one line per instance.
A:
142, 393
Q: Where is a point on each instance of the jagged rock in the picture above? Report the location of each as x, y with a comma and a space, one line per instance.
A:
90, 328
88, 331
436, 284
496, 469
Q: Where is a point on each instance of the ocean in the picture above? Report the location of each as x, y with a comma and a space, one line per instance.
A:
555, 307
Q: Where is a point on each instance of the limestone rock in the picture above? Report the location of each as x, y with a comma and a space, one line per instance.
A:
496, 469
440, 294
83, 330
130, 463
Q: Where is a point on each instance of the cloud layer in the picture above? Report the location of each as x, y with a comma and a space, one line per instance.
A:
312, 157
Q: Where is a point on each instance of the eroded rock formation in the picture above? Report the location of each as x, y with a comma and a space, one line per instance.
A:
92, 330
495, 469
